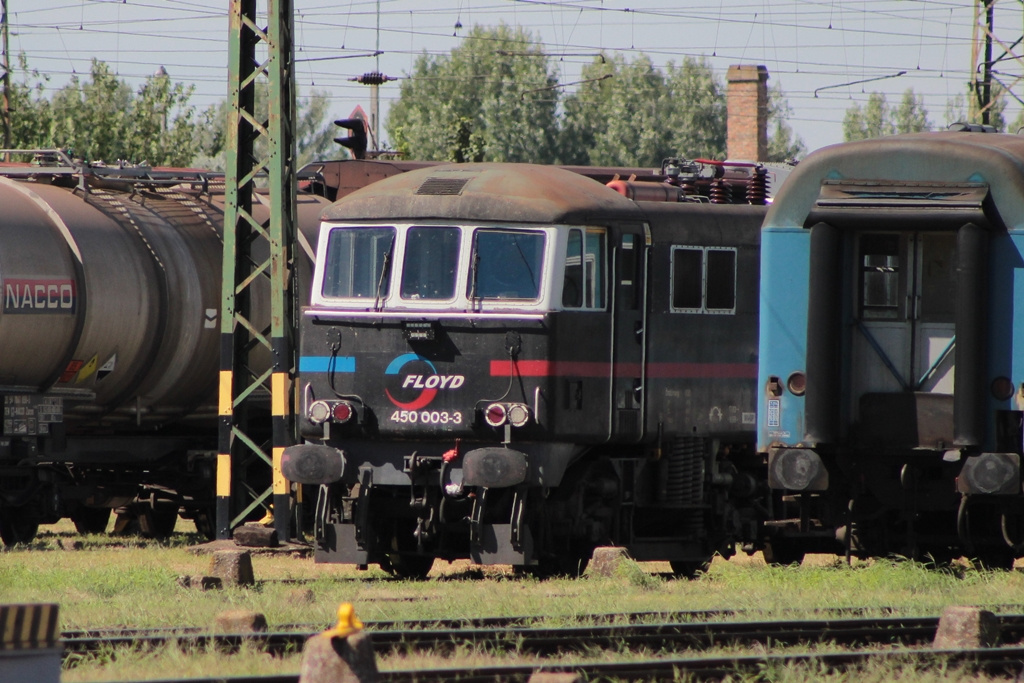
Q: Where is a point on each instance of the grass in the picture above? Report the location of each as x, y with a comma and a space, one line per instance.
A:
127, 582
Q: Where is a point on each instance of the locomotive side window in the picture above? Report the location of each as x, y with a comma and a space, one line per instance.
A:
703, 280
431, 263
584, 284
880, 277
506, 264
572, 284
721, 280
357, 264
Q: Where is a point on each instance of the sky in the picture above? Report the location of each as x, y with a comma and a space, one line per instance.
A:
826, 55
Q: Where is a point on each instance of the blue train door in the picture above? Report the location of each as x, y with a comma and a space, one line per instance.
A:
904, 329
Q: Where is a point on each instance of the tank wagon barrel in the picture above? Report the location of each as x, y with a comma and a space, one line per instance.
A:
109, 327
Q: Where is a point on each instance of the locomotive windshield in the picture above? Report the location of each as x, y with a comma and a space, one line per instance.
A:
424, 266
506, 265
358, 263
431, 263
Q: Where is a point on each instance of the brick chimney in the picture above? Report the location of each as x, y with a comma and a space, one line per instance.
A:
747, 103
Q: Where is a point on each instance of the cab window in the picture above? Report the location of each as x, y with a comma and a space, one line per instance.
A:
506, 264
357, 264
431, 263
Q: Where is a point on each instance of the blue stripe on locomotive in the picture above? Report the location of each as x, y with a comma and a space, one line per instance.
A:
323, 363
785, 270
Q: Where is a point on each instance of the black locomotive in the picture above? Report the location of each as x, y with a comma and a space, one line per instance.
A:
515, 364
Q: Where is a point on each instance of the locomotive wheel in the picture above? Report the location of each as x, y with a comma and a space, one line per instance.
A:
91, 520
782, 552
18, 525
412, 567
689, 569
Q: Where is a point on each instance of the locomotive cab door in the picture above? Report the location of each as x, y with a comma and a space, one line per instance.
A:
903, 337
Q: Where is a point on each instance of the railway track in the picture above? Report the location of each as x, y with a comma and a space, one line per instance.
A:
1008, 661
899, 636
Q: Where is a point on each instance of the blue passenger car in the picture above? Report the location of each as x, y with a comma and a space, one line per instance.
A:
891, 357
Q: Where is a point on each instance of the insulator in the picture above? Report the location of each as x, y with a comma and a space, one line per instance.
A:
720, 192
757, 187
689, 187
372, 78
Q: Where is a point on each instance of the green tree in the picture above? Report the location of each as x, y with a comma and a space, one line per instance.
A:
102, 119
635, 114
31, 113
783, 143
877, 118
910, 116
957, 111
493, 98
314, 130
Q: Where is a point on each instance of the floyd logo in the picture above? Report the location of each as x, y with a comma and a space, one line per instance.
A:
412, 381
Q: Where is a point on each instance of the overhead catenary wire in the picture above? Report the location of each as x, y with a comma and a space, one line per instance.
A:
191, 36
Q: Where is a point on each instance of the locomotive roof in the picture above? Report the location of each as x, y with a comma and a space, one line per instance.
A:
526, 193
931, 174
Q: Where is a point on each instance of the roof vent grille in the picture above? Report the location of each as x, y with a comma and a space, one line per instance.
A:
442, 186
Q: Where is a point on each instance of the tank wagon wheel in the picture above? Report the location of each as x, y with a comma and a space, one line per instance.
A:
91, 520
18, 525
782, 552
158, 521
689, 569
206, 524
147, 518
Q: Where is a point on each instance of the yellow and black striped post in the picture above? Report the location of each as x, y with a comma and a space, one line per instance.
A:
257, 257
30, 650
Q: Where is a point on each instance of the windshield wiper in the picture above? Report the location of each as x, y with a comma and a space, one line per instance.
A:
384, 271
476, 274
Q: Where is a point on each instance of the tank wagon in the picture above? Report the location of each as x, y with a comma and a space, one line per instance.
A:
514, 364
110, 334
891, 377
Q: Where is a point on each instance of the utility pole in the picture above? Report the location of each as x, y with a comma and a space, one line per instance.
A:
995, 74
257, 267
981, 88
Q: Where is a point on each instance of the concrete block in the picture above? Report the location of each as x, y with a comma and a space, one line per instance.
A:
328, 659
606, 560
233, 567
553, 677
966, 627
255, 535
241, 621
205, 583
